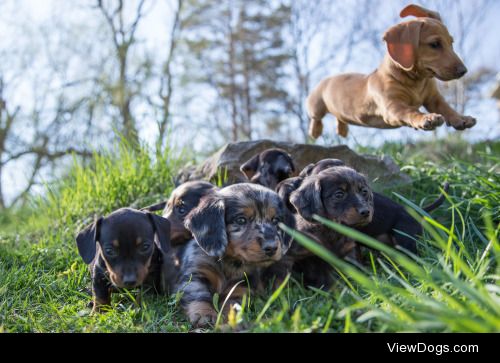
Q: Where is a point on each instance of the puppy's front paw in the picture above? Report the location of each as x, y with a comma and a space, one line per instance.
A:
430, 121
463, 122
99, 305
201, 314
315, 128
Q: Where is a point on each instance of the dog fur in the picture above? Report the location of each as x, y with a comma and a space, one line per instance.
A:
236, 237
126, 249
418, 51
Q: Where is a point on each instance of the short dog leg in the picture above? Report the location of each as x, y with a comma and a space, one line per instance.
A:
342, 128
315, 127
439, 105
101, 290
201, 313
316, 109
400, 115
196, 300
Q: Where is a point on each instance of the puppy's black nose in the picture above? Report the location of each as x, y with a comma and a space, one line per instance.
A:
461, 70
364, 212
129, 281
270, 250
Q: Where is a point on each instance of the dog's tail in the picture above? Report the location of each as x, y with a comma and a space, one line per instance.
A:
438, 201
155, 207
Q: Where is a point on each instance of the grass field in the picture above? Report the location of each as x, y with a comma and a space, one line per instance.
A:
452, 286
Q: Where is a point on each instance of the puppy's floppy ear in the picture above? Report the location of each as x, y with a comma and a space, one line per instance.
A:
307, 199
419, 12
154, 207
289, 221
402, 43
86, 241
249, 168
289, 168
285, 188
161, 227
307, 170
207, 224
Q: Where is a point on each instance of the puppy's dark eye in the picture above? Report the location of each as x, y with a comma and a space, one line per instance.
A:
181, 210
275, 220
339, 194
435, 45
110, 252
241, 220
364, 192
145, 247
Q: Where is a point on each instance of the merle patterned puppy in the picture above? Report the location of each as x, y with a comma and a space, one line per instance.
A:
236, 237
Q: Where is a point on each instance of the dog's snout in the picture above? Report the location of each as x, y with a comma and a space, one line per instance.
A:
460, 70
269, 246
270, 250
364, 212
130, 280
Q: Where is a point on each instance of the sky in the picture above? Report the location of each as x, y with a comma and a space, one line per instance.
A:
484, 45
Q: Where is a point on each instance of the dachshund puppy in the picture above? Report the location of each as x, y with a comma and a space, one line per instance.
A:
182, 200
389, 217
316, 168
126, 249
269, 167
339, 194
236, 236
287, 187
417, 51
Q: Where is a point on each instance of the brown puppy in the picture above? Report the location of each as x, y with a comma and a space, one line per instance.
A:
269, 167
341, 195
236, 237
390, 97
183, 199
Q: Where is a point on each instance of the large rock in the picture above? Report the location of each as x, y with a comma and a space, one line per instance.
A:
225, 163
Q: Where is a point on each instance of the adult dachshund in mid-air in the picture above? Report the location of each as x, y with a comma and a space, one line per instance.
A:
417, 51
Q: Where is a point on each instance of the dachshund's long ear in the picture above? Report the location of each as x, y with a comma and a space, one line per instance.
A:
207, 224
402, 43
161, 227
307, 170
289, 221
285, 167
307, 199
86, 241
249, 168
155, 207
419, 12
285, 188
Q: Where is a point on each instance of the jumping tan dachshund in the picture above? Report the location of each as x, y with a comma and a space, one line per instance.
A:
390, 97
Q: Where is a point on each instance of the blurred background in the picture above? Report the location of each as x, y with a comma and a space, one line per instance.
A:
75, 76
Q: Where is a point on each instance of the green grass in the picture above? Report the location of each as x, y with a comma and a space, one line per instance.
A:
451, 286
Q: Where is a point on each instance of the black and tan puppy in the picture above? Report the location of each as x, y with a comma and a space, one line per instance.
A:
391, 223
236, 236
316, 168
269, 167
126, 249
339, 194
182, 200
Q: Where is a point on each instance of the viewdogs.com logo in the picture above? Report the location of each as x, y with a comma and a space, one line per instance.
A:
437, 349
